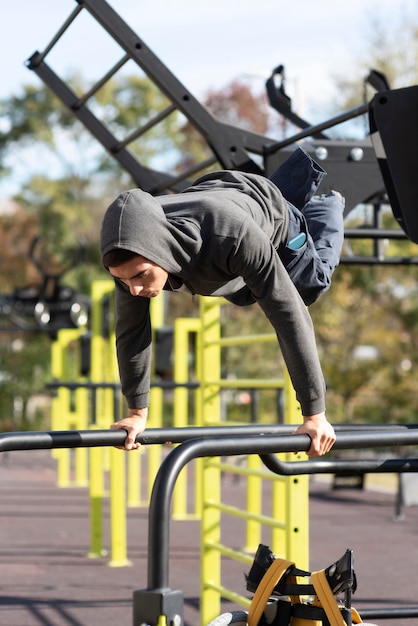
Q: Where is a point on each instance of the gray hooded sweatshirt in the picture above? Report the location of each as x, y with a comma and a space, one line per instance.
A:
221, 237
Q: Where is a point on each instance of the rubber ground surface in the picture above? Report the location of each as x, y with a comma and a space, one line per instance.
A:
47, 578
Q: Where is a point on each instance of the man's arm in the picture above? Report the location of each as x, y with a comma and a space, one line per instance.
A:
133, 346
264, 273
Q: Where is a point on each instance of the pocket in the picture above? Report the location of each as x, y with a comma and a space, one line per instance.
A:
291, 257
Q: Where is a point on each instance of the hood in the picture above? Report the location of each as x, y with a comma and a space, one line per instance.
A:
136, 221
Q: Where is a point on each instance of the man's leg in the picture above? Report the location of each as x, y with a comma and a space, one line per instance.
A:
298, 178
324, 217
311, 266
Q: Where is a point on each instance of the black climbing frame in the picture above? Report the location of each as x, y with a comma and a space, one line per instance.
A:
364, 171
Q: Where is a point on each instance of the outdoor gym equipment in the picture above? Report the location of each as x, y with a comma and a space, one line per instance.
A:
159, 602
46, 307
281, 598
363, 171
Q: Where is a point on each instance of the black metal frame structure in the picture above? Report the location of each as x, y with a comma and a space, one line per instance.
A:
352, 166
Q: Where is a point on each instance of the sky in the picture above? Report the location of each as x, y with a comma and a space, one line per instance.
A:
206, 44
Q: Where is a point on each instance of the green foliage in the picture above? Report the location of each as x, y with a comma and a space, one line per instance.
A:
366, 328
24, 373
390, 48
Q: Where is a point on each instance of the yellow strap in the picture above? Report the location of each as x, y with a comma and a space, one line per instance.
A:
356, 619
327, 599
294, 599
264, 590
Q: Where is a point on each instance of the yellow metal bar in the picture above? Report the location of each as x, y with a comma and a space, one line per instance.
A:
211, 360
211, 562
199, 421
246, 383
240, 513
81, 423
288, 521
297, 494
297, 548
236, 598
155, 413
242, 557
279, 513
210, 405
245, 340
103, 354
96, 492
183, 327
102, 370
67, 412
156, 404
134, 479
254, 503
181, 407
118, 510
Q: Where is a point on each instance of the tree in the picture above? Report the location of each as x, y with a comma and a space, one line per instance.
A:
24, 374
390, 48
366, 325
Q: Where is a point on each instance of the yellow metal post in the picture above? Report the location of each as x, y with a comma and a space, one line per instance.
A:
118, 510
297, 493
183, 327
211, 474
96, 490
155, 411
69, 407
254, 502
102, 370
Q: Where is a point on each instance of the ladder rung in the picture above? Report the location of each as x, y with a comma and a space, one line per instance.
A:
143, 129
102, 81
61, 31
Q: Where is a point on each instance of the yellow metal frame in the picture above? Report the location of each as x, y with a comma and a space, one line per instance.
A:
289, 519
69, 408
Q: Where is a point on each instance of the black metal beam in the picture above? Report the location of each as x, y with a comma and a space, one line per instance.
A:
356, 175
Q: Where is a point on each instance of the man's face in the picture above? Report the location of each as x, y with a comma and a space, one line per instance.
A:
143, 277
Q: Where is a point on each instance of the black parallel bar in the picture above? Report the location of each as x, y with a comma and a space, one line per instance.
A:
389, 613
41, 440
161, 384
358, 436
350, 467
61, 439
377, 260
160, 504
374, 233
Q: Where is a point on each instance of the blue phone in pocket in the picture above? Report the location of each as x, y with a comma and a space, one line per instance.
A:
296, 242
